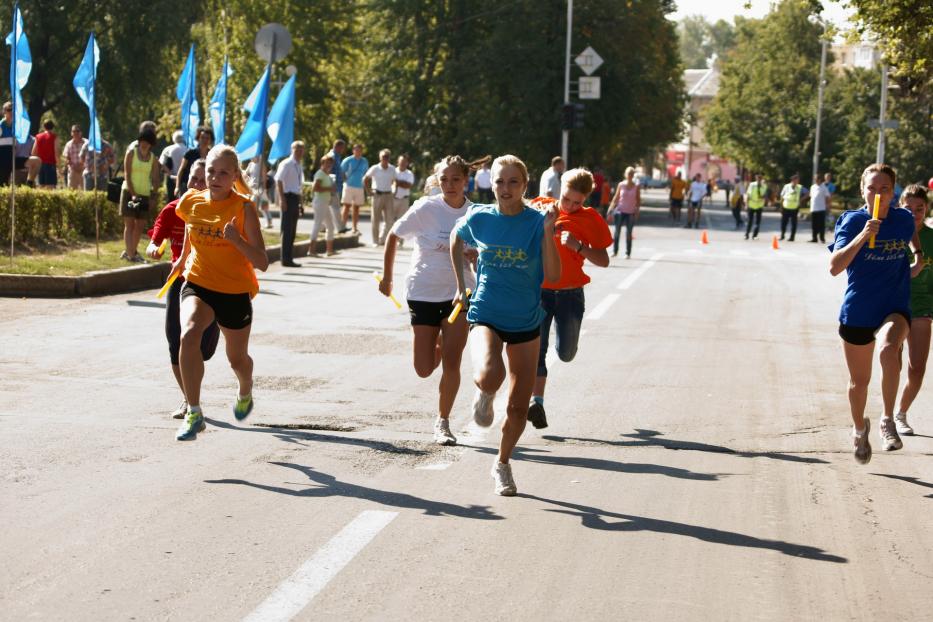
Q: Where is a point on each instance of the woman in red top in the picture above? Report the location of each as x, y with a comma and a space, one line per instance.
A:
169, 226
47, 149
580, 233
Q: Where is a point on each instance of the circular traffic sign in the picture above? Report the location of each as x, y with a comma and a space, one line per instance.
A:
273, 37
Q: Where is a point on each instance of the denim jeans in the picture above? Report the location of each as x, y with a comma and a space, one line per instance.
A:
629, 221
565, 308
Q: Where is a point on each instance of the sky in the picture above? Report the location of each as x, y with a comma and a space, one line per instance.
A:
714, 10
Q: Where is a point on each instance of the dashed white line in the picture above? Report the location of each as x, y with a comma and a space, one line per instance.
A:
298, 590
600, 310
634, 276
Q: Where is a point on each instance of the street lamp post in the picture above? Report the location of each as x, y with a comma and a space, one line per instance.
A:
565, 134
883, 113
819, 109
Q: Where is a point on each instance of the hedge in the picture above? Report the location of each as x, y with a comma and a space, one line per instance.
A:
45, 215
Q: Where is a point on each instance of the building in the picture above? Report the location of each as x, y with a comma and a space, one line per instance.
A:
848, 55
693, 154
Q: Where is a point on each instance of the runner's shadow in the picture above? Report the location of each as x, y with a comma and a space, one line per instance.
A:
146, 303
650, 438
329, 486
594, 518
909, 480
298, 436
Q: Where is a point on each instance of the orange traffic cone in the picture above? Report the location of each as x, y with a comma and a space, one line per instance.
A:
774, 243
704, 239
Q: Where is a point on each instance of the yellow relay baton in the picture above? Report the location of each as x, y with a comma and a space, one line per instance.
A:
168, 284
874, 216
164, 246
457, 308
378, 278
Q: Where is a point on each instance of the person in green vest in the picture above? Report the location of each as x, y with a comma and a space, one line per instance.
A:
790, 205
755, 198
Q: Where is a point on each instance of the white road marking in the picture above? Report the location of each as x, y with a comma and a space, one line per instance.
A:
438, 466
634, 276
298, 590
600, 310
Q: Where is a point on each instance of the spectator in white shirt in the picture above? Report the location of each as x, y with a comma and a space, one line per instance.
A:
289, 179
697, 192
379, 179
171, 161
550, 179
820, 198
404, 181
483, 181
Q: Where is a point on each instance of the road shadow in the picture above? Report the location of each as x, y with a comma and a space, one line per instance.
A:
329, 486
146, 303
542, 456
909, 480
652, 438
595, 518
302, 437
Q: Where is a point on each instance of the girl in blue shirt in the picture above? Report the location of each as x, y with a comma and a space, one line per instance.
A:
516, 253
877, 299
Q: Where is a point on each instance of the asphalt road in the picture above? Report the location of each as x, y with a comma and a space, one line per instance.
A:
697, 466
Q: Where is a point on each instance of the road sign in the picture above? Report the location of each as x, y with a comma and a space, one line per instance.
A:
589, 87
889, 124
273, 37
588, 60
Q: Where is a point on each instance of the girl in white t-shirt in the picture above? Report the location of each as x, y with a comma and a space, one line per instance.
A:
430, 285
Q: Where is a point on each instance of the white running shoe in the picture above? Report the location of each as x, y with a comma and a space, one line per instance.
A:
502, 473
442, 433
890, 441
900, 424
482, 408
862, 445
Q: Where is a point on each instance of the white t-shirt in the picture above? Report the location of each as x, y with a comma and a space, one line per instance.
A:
818, 195
174, 153
550, 183
697, 191
431, 277
382, 177
406, 175
291, 175
484, 179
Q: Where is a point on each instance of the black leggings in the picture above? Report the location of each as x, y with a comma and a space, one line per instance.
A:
753, 215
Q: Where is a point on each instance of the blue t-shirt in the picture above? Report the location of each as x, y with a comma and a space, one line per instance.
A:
338, 172
509, 271
879, 278
354, 169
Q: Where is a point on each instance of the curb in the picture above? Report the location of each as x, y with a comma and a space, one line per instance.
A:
129, 279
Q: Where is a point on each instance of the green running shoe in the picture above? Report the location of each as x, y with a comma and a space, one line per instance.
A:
193, 424
243, 407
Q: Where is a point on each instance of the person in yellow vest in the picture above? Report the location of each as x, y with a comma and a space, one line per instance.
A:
790, 205
755, 198
222, 248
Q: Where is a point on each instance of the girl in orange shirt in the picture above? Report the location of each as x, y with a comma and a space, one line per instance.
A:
223, 245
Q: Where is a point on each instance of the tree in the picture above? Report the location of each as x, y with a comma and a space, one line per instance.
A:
902, 29
764, 113
700, 40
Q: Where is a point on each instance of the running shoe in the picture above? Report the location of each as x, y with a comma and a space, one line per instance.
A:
505, 484
862, 446
890, 441
536, 415
193, 424
243, 407
442, 433
482, 408
900, 423
124, 256
181, 411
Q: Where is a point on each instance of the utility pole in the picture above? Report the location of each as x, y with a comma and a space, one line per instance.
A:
882, 116
565, 134
819, 111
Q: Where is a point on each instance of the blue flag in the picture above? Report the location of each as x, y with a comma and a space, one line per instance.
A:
218, 109
83, 82
20, 68
250, 143
187, 95
282, 122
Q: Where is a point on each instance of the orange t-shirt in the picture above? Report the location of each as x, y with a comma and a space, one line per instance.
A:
214, 262
678, 186
587, 226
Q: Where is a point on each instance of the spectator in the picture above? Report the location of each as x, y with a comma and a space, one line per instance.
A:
74, 164
550, 179
31, 174
105, 161
819, 204
138, 192
790, 206
256, 176
379, 179
289, 179
6, 146
324, 186
483, 182
340, 146
598, 180
205, 138
49, 152
432, 185
171, 161
353, 196
404, 181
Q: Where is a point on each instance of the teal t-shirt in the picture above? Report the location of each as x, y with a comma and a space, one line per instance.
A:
354, 169
921, 286
509, 271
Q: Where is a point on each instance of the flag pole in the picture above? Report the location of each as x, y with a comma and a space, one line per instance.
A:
13, 85
96, 203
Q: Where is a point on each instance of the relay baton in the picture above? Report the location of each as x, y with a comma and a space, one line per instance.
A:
378, 278
168, 283
457, 308
164, 246
874, 216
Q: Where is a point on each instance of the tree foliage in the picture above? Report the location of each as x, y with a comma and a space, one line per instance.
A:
701, 40
902, 29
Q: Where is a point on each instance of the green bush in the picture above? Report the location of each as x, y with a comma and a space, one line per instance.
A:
46, 215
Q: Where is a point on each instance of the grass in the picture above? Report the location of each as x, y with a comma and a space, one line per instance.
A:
79, 257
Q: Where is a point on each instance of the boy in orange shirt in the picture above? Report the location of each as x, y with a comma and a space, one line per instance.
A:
223, 244
580, 233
